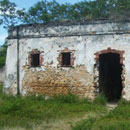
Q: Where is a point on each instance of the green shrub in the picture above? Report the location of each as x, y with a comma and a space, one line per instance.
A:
3, 50
123, 102
85, 101
36, 98
1, 88
100, 99
68, 98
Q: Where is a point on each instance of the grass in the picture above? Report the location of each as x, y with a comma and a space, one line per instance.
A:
63, 112
100, 99
36, 112
117, 119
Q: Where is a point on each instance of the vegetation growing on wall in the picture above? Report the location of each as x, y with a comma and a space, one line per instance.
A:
3, 55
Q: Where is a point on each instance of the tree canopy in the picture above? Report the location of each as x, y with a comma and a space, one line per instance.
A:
3, 50
10, 15
50, 11
44, 11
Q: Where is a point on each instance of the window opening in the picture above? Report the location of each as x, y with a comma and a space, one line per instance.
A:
35, 60
66, 59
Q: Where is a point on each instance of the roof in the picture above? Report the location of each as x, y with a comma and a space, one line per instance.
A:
70, 28
81, 22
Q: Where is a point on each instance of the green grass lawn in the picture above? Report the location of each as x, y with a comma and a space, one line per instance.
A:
117, 119
65, 112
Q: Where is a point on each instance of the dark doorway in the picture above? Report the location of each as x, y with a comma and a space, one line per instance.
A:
110, 70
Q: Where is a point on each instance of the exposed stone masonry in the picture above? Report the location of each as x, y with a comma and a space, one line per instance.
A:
59, 81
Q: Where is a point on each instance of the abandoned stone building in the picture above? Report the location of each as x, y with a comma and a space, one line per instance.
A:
84, 58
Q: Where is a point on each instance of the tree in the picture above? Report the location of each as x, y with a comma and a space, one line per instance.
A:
38, 13
44, 11
119, 9
10, 15
3, 50
82, 10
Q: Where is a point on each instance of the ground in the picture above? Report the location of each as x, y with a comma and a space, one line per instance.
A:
65, 112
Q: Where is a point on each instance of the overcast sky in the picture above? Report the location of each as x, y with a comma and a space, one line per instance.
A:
26, 4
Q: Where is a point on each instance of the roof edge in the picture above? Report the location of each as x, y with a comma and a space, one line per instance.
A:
69, 23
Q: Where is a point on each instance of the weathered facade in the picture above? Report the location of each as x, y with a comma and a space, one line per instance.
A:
84, 58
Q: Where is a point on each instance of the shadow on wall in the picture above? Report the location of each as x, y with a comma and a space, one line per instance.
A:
2, 74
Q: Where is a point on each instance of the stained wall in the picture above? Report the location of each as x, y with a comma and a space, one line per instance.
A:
85, 39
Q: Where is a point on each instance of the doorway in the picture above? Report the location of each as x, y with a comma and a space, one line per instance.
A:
110, 71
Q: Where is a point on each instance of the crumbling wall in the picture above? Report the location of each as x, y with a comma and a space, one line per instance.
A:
51, 78
85, 39
59, 81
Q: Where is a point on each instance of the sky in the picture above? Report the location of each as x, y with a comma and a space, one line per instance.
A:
27, 4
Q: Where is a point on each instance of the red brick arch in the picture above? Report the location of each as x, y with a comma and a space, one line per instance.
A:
108, 50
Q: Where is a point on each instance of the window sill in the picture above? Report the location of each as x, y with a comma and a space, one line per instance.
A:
35, 67
66, 66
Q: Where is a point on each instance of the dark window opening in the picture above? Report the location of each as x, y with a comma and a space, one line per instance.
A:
66, 59
110, 71
35, 60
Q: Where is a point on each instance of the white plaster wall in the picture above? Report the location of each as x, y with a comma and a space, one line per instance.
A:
85, 47
92, 39
11, 64
51, 48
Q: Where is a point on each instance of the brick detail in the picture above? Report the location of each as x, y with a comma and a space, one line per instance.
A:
29, 60
109, 50
41, 59
35, 51
60, 59
66, 50
72, 58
